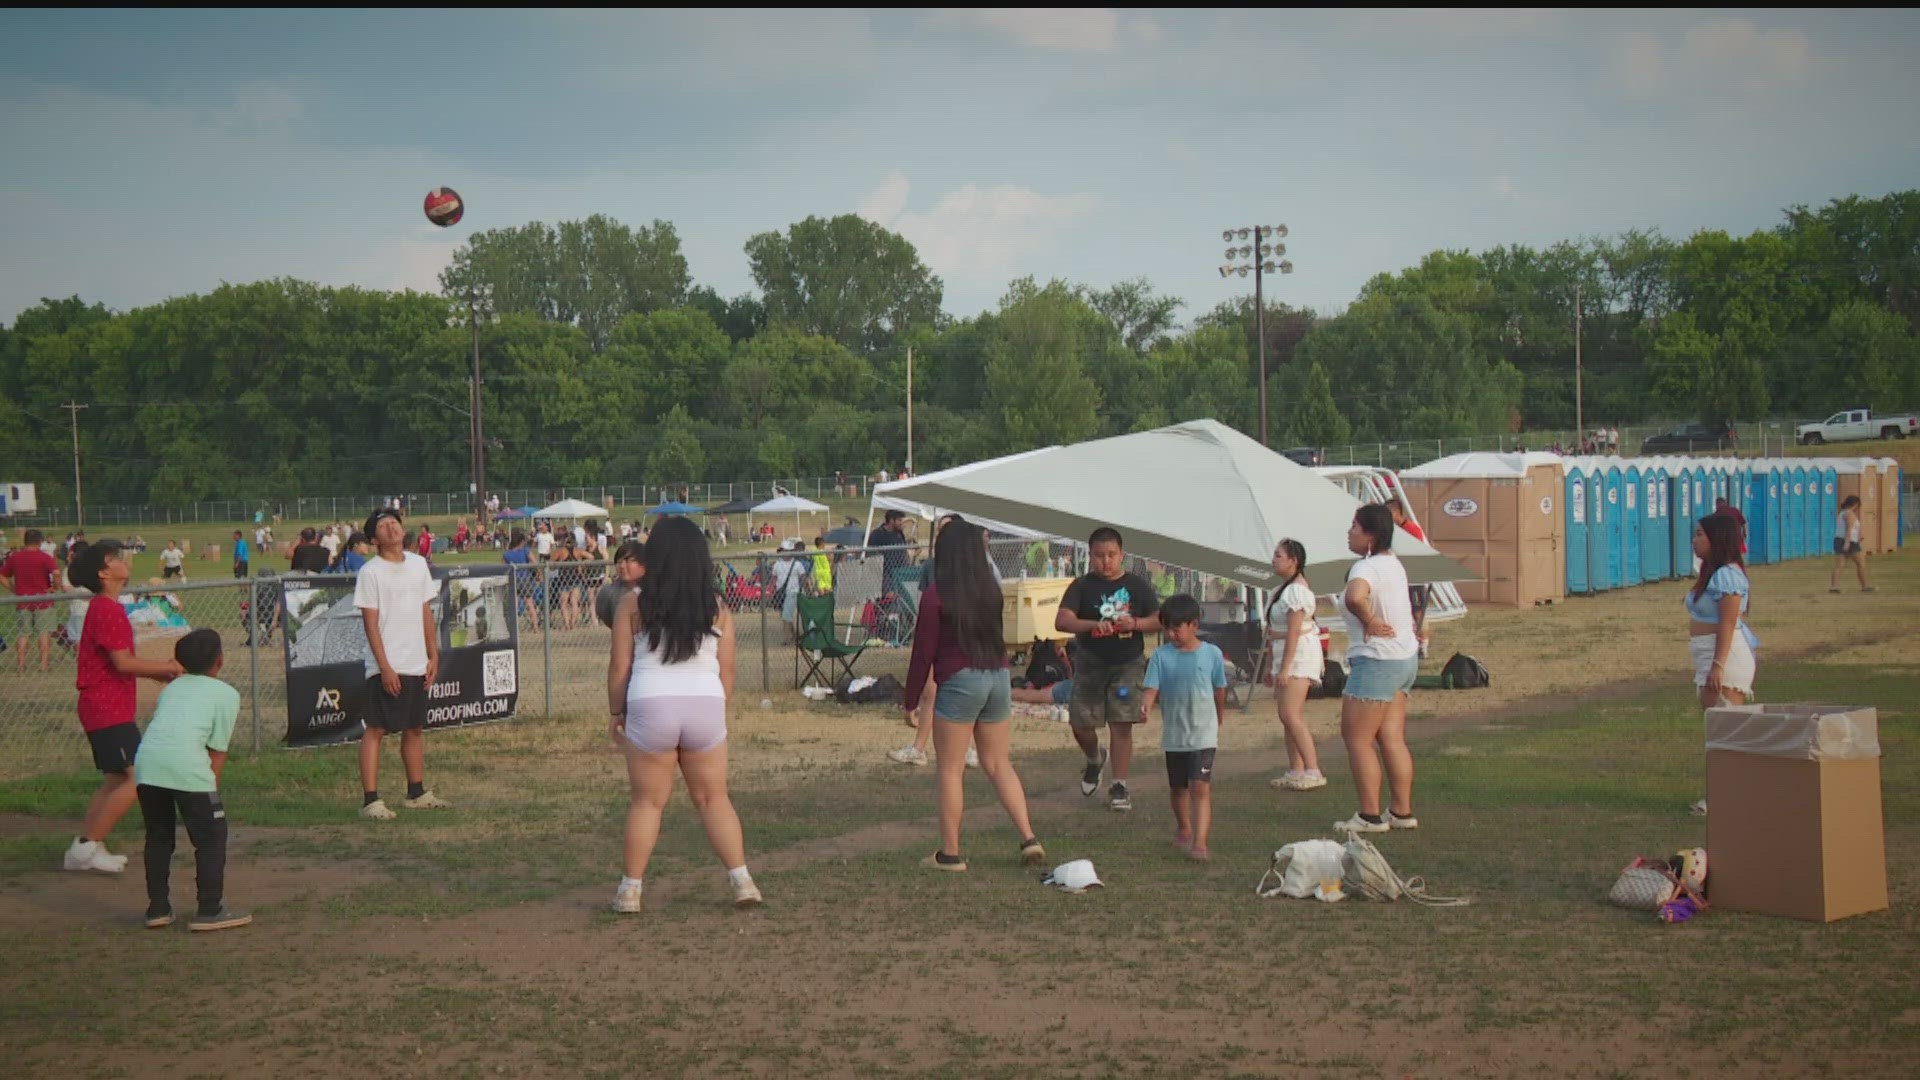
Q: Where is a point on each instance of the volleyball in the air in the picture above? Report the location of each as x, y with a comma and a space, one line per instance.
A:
444, 206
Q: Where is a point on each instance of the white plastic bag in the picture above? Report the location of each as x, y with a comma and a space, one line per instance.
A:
1301, 867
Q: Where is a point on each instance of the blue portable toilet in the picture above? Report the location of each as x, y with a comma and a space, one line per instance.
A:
1576, 510
1655, 538
1829, 505
1795, 486
1680, 520
1616, 526
1776, 513
1755, 509
1635, 516
1702, 494
1597, 526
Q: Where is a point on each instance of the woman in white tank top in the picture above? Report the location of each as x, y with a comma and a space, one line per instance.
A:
668, 683
1846, 545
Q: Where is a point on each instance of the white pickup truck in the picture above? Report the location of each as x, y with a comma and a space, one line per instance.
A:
1854, 424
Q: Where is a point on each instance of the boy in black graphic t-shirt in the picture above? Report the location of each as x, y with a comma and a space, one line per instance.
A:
1108, 611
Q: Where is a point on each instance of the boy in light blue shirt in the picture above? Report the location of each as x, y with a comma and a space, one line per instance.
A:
178, 769
1188, 677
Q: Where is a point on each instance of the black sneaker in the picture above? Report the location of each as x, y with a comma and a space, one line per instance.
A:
1117, 797
224, 919
1090, 776
159, 916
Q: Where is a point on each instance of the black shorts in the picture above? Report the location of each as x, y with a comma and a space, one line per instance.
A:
114, 747
1188, 767
170, 572
406, 711
1841, 546
239, 570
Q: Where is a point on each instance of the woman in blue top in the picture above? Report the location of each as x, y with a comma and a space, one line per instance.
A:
1721, 643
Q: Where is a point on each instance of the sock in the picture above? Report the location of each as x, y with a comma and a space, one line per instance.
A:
414, 790
1371, 819
945, 859
368, 798
626, 881
1398, 814
738, 876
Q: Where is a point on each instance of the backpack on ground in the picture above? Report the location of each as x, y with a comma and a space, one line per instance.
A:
1045, 666
1333, 680
1463, 672
1368, 874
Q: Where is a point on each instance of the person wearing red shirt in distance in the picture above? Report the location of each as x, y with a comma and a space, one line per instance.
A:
107, 669
425, 544
30, 571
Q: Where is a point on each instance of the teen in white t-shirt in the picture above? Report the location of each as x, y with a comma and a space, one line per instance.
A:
1298, 664
394, 592
1383, 657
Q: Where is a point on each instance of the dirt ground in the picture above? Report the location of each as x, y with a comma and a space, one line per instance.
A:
432, 996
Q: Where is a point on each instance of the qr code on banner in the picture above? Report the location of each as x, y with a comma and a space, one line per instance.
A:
498, 673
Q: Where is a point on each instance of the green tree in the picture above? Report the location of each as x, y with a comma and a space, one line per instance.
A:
843, 278
1142, 317
591, 273
1865, 355
670, 357
676, 453
739, 318
1308, 415
1037, 384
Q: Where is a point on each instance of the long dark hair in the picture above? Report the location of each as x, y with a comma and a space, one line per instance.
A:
678, 606
1723, 540
969, 596
1377, 522
1298, 553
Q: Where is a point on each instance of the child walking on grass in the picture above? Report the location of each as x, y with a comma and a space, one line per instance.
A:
1188, 677
179, 768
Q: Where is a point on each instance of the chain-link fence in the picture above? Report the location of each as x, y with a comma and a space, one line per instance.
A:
563, 643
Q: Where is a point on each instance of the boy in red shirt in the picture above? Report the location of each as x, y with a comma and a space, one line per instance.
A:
106, 671
31, 572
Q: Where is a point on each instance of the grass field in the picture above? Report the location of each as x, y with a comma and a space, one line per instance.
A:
476, 942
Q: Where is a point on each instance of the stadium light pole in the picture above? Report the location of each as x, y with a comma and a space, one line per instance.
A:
1263, 256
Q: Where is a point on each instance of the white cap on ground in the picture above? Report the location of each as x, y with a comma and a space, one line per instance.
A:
1075, 877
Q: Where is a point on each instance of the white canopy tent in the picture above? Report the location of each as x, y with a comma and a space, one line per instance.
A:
901, 495
1199, 495
784, 503
569, 509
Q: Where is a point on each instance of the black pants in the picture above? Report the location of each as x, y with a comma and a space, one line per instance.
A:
206, 823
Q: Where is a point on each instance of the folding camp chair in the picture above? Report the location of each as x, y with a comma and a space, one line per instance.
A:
902, 604
820, 642
1245, 647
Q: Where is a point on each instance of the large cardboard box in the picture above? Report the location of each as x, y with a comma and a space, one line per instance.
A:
1794, 825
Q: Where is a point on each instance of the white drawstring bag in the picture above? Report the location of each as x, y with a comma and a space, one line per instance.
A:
1368, 874
1301, 867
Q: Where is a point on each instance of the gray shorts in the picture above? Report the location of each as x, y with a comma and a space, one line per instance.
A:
31, 621
1105, 692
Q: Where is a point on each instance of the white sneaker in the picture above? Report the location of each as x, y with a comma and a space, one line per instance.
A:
377, 811
93, 855
1395, 821
1358, 824
427, 801
1059, 714
907, 755
626, 898
973, 758
745, 894
1286, 780
1308, 781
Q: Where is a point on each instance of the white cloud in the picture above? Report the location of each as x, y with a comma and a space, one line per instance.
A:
1723, 53
1503, 187
1072, 29
977, 233
1738, 43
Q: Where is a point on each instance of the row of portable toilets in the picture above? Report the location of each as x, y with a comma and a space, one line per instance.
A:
1630, 521
1532, 528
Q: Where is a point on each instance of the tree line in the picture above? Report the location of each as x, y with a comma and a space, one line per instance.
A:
604, 362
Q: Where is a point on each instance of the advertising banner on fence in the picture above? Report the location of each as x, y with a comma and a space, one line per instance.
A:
326, 646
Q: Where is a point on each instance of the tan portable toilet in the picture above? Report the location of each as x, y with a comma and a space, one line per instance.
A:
1858, 476
1499, 515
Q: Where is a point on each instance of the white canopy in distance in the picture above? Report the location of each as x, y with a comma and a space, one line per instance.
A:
569, 509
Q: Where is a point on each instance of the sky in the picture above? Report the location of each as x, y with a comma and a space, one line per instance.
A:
148, 154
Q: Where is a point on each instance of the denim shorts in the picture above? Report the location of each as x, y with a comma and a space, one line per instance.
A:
975, 696
1062, 691
1369, 679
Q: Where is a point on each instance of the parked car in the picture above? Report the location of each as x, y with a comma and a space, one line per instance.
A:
1688, 438
1304, 455
1848, 425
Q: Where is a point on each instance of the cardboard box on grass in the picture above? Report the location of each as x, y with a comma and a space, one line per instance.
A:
1794, 824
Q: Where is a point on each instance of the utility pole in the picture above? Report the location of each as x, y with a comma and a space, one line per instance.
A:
1579, 396
79, 512
476, 426
909, 410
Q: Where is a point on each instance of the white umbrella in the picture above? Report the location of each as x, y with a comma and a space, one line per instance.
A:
784, 503
1199, 495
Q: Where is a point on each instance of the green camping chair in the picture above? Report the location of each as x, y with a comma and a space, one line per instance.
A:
820, 641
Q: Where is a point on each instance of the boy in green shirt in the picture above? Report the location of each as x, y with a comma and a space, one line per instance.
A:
178, 766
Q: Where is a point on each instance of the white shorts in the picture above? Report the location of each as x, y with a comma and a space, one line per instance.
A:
1736, 674
1308, 663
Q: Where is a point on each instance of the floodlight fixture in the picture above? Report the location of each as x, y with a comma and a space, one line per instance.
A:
1227, 235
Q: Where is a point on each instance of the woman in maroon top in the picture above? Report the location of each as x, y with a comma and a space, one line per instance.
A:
957, 638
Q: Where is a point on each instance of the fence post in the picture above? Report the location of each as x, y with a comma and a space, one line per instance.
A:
253, 661
766, 662
546, 639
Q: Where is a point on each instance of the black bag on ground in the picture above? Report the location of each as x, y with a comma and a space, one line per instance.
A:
1332, 681
1045, 666
885, 690
1463, 672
